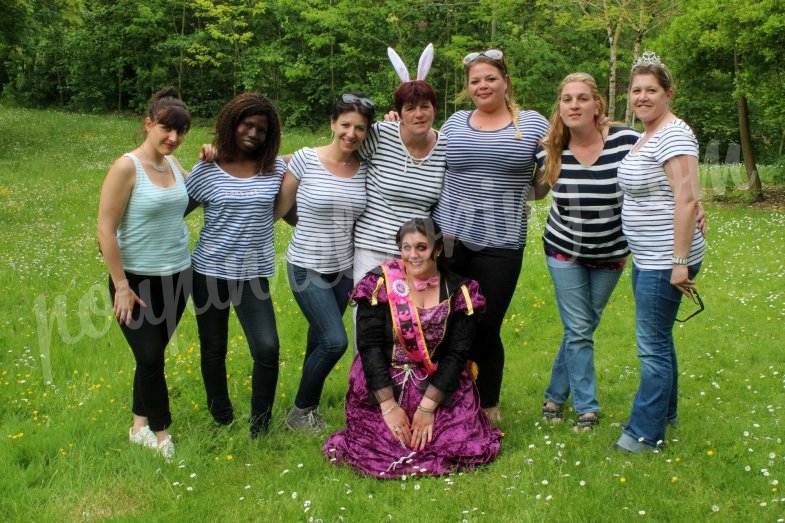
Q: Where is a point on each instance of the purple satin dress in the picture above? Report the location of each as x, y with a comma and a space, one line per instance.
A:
462, 436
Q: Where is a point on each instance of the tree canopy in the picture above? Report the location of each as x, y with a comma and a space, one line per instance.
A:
110, 55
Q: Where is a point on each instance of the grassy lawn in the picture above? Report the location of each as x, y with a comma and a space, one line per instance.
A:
66, 371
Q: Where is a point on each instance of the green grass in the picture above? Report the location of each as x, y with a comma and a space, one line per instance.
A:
65, 382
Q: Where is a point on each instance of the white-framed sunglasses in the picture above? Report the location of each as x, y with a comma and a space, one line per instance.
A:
493, 54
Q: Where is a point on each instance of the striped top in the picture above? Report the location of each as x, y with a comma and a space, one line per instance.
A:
398, 186
584, 222
488, 178
327, 207
236, 242
647, 214
152, 235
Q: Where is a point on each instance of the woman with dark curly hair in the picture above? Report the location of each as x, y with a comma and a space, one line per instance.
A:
235, 254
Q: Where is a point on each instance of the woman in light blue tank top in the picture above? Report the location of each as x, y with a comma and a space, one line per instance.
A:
144, 242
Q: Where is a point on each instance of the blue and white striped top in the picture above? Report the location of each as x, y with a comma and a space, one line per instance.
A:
237, 241
327, 207
584, 222
152, 235
398, 186
488, 178
647, 212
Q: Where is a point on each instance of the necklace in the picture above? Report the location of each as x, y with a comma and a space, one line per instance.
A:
161, 168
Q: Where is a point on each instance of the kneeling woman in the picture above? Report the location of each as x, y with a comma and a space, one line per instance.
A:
411, 407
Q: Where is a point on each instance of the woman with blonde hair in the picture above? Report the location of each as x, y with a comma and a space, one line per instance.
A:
490, 166
584, 245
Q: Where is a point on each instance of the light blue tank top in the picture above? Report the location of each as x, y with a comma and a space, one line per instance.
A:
152, 235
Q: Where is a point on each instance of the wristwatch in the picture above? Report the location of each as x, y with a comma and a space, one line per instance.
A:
678, 261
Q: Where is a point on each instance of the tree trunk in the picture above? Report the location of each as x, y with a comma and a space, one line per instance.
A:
745, 137
636, 52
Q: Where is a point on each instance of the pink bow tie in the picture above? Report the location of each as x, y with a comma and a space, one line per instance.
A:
421, 285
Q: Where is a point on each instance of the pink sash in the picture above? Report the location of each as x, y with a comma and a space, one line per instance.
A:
405, 318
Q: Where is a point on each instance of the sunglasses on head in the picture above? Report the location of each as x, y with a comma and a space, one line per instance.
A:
351, 99
493, 54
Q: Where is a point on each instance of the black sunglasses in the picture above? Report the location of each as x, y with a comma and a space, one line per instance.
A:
351, 99
696, 298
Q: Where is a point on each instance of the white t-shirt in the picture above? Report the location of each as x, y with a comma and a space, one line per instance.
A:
237, 241
398, 186
647, 211
327, 208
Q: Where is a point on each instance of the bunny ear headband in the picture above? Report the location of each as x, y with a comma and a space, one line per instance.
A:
424, 65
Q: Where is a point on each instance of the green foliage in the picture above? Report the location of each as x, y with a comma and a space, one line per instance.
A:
107, 55
720, 36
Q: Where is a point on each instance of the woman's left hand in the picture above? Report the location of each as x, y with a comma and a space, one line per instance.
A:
700, 218
392, 116
422, 429
680, 279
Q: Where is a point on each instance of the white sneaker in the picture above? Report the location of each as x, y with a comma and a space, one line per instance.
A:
166, 449
143, 437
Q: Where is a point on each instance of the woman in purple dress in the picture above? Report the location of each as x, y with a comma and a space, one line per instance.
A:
412, 407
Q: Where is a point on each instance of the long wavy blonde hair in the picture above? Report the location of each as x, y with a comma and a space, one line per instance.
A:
558, 137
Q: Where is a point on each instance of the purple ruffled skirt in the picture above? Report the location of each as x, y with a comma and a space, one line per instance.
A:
462, 436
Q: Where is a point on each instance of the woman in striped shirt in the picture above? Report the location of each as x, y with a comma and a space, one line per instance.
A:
584, 245
328, 184
659, 178
490, 166
235, 254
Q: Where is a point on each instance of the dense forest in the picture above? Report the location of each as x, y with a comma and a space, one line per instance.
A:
110, 55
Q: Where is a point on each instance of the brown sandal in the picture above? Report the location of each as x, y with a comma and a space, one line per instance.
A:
586, 422
551, 414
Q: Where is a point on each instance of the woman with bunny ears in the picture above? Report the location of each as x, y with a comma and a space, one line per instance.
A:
406, 164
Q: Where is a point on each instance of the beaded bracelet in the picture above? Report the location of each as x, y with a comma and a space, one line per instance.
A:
389, 410
424, 409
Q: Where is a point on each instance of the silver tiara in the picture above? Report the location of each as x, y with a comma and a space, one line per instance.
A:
648, 57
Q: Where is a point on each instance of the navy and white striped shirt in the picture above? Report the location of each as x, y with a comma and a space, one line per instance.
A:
488, 178
398, 186
327, 207
647, 213
584, 222
236, 242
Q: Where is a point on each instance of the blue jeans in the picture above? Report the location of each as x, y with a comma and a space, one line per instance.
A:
655, 404
581, 293
323, 299
254, 308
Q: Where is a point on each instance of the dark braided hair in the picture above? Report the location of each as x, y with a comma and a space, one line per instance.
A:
234, 112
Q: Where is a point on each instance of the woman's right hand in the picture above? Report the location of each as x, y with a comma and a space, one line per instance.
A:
208, 153
125, 300
392, 116
397, 423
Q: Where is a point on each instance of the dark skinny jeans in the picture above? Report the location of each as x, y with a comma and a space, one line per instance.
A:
148, 334
254, 308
